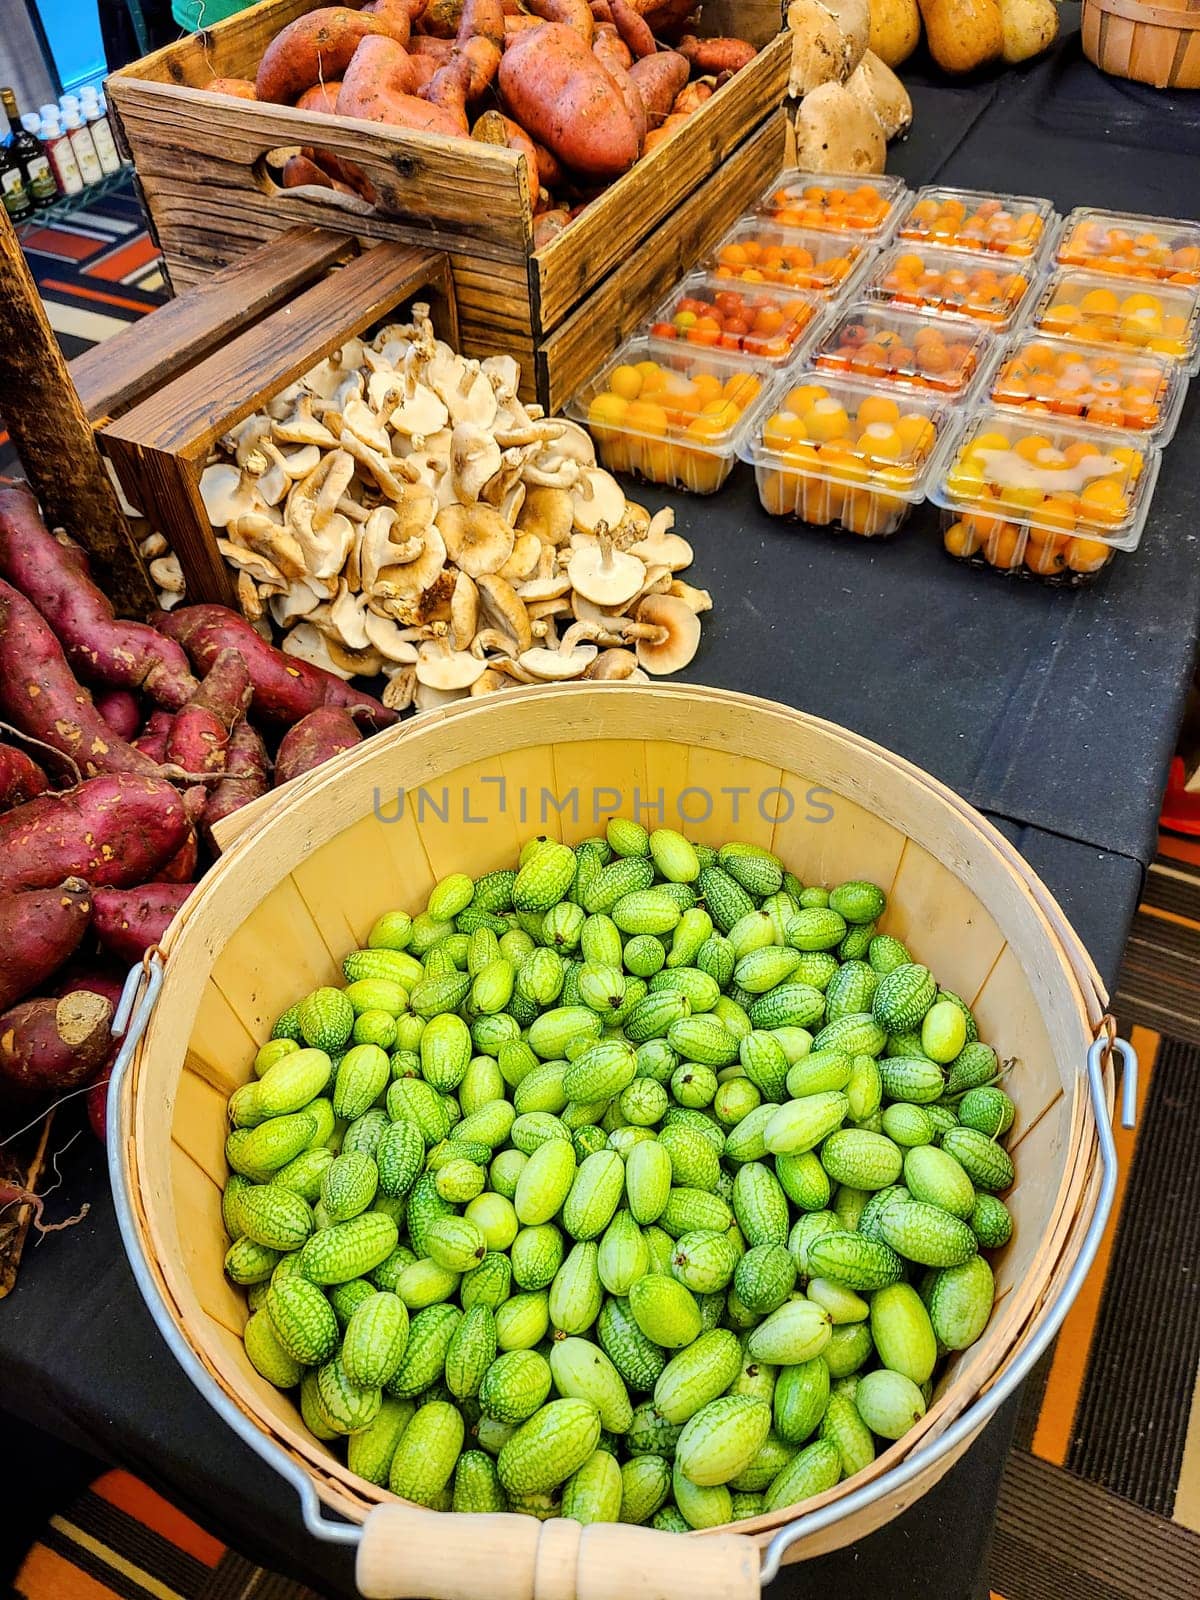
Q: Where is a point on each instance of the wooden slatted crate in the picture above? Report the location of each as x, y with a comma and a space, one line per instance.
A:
202, 163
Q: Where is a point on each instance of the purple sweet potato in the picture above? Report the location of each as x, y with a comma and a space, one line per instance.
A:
152, 741
53, 1046
103, 648
120, 710
315, 738
285, 688
113, 830
128, 921
200, 731
40, 694
40, 929
100, 977
247, 777
20, 777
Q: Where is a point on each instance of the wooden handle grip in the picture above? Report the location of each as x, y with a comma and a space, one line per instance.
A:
406, 1554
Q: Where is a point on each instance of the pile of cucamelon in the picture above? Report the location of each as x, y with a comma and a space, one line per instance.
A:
639, 1182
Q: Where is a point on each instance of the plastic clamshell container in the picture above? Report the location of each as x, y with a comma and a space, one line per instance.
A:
665, 440
1047, 501
1095, 308
1126, 245
942, 354
1038, 374
759, 250
835, 202
1017, 226
795, 315
813, 460
986, 288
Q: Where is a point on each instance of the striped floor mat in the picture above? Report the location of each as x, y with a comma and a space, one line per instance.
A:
1101, 1497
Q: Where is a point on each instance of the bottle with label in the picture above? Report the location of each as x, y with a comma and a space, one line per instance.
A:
101, 131
39, 180
63, 164
17, 200
84, 148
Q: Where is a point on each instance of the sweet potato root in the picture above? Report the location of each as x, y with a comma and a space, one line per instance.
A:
659, 79
120, 710
563, 97
316, 738
576, 14
54, 578
632, 28
113, 830
53, 1045
316, 48
20, 777
40, 929
285, 688
238, 88
247, 776
379, 85
715, 55
128, 921
39, 693
200, 732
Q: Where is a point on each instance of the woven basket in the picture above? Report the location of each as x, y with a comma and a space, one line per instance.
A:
1157, 44
303, 885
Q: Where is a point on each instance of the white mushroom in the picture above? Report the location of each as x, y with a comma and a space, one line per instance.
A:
251, 564
488, 682
282, 404
166, 573
153, 545
478, 540
695, 599
227, 491
389, 472
282, 471
364, 424
675, 638
464, 612
249, 437
474, 460
612, 665
401, 686
309, 644
403, 580
421, 412
250, 598
548, 512
302, 427
385, 391
569, 660
427, 698
662, 548
440, 667
596, 498
504, 375
298, 600
510, 503
504, 609
387, 637
523, 561
604, 575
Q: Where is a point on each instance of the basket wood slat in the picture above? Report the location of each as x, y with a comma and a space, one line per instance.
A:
303, 884
1155, 44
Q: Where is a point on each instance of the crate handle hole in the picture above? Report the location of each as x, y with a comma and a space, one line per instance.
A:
268, 169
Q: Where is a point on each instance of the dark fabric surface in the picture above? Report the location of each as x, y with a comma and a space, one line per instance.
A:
1056, 711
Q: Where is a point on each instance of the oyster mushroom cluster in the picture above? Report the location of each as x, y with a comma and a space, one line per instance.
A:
399, 510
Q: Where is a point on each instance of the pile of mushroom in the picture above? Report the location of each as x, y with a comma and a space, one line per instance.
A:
400, 511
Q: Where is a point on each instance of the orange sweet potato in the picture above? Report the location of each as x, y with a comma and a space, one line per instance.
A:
549, 225
40, 929
493, 127
239, 88
659, 78
576, 14
562, 96
692, 97
613, 54
609, 47
716, 55
480, 40
314, 47
379, 86
667, 18
632, 28
665, 129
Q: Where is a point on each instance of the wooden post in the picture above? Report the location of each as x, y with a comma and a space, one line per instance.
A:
54, 437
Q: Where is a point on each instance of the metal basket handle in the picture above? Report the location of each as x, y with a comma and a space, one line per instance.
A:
408, 1554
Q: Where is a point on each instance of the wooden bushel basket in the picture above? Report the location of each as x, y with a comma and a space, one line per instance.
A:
304, 883
1155, 44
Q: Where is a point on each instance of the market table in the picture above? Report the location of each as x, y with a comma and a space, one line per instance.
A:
1055, 712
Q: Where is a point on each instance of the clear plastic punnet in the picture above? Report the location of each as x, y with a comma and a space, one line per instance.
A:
1038, 374
860, 204
762, 323
990, 289
1048, 501
940, 354
671, 416
1162, 318
973, 219
1125, 245
757, 250
834, 453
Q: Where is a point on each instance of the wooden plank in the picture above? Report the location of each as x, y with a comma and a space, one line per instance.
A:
570, 355
151, 352
607, 232
159, 447
54, 438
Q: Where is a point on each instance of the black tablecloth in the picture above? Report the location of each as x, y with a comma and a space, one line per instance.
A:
1055, 712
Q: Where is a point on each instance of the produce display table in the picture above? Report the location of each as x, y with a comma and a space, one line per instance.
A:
1054, 712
